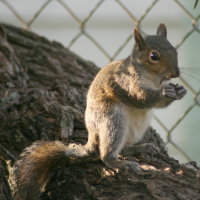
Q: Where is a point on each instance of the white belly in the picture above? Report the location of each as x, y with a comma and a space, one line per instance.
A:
138, 120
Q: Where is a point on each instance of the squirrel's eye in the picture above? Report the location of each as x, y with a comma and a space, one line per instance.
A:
154, 56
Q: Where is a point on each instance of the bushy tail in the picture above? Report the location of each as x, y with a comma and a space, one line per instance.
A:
36, 164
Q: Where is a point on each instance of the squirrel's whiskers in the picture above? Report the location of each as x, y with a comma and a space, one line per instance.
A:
191, 72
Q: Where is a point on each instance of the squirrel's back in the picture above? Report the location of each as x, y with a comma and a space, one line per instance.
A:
103, 89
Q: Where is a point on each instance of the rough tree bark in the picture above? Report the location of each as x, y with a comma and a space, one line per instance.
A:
42, 96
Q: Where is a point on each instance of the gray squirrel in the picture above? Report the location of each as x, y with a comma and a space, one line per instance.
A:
120, 103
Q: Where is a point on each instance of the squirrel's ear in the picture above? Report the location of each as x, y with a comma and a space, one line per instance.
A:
162, 30
138, 38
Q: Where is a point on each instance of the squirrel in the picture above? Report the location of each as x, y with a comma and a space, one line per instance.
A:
120, 104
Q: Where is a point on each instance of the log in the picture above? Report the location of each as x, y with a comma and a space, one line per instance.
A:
43, 89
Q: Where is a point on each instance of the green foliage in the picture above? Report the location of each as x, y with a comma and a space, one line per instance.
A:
196, 2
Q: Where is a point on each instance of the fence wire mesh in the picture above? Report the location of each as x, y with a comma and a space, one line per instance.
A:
83, 31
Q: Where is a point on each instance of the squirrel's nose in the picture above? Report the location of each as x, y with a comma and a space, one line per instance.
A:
175, 73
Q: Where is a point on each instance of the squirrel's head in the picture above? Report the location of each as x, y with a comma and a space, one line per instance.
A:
156, 54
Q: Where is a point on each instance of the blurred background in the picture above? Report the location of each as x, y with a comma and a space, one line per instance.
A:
101, 31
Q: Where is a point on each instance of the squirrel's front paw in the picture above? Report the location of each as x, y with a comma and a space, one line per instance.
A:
169, 91
180, 91
174, 91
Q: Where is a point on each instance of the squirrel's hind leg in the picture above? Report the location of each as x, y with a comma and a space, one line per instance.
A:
112, 137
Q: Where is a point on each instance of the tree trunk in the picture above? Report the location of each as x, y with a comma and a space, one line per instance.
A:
42, 96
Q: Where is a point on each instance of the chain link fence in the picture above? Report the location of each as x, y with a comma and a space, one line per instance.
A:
83, 31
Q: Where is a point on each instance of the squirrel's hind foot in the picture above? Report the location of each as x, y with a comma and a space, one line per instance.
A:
122, 165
